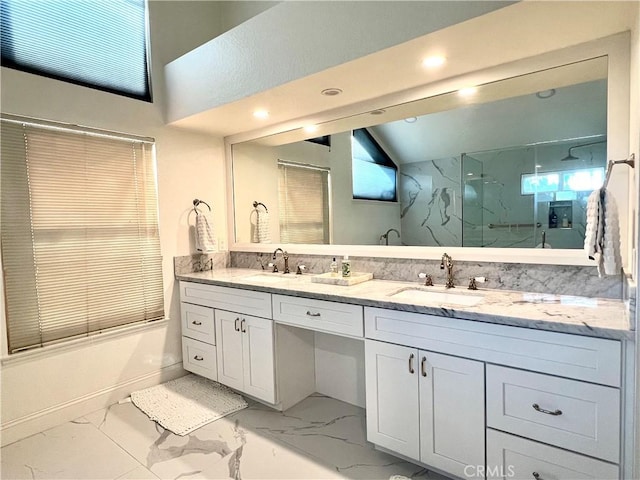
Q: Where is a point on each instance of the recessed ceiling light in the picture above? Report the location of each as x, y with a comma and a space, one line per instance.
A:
262, 114
467, 92
331, 92
546, 93
310, 128
411, 120
433, 61
379, 111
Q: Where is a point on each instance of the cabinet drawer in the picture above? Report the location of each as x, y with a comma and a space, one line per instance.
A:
331, 317
516, 458
585, 358
197, 322
231, 299
567, 413
199, 357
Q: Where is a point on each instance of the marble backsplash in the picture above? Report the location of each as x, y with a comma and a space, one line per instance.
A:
556, 279
199, 262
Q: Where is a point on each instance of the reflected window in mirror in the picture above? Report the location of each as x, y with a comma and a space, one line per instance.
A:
303, 202
374, 173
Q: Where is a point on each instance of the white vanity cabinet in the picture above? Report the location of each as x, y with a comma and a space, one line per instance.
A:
426, 406
245, 354
227, 335
553, 400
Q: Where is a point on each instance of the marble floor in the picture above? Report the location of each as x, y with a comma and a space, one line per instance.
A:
319, 438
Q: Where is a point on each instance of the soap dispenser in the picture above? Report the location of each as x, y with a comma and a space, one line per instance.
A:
346, 266
334, 267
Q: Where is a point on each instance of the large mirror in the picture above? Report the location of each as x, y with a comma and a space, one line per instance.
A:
507, 164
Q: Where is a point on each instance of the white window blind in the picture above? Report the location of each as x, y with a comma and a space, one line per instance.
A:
80, 242
97, 43
304, 203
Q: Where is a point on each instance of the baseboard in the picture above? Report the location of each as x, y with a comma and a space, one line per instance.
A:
36, 422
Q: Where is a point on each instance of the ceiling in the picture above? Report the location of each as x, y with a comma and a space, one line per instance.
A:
486, 41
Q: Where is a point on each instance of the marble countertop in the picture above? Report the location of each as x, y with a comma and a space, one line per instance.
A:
595, 317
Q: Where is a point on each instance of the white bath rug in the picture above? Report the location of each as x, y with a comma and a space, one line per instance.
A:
187, 403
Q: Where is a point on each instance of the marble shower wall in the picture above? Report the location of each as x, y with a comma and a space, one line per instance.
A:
431, 203
556, 279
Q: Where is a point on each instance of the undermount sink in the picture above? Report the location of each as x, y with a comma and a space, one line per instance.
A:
434, 297
269, 277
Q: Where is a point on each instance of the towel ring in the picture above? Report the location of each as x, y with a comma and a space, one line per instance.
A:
255, 205
197, 202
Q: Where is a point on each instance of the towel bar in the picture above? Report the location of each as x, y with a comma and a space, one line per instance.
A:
255, 205
629, 161
197, 202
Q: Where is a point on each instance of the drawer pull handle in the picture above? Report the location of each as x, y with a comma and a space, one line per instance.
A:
411, 370
196, 323
317, 314
198, 358
235, 324
548, 412
423, 366
537, 476
242, 326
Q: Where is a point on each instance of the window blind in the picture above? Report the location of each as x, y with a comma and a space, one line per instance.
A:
80, 240
304, 203
100, 44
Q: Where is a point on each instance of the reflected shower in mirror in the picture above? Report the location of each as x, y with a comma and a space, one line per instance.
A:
509, 166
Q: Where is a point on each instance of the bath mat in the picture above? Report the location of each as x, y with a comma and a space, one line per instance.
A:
187, 403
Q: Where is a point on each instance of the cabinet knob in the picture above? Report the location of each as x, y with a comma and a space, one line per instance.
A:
317, 314
198, 358
548, 412
411, 370
196, 323
423, 366
236, 327
537, 476
242, 326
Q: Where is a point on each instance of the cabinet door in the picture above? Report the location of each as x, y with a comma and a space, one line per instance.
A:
391, 373
229, 349
257, 342
452, 414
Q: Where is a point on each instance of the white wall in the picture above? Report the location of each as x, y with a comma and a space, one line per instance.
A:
255, 170
56, 384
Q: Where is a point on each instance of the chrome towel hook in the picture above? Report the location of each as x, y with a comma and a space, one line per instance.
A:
197, 202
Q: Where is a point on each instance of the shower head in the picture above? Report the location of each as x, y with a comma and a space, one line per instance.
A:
570, 156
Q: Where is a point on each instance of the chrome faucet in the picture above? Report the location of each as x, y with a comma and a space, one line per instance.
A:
385, 236
447, 262
285, 256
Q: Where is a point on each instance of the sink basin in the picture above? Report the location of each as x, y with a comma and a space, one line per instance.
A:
269, 277
434, 297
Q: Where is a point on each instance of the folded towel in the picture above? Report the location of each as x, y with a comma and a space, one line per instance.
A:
602, 233
263, 227
205, 236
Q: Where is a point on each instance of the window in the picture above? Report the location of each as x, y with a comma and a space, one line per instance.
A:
374, 173
563, 183
304, 203
80, 242
99, 44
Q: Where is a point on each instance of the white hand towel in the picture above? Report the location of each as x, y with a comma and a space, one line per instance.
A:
263, 227
205, 236
611, 258
602, 233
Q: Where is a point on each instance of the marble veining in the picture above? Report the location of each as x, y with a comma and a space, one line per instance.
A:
200, 261
597, 317
319, 438
556, 279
